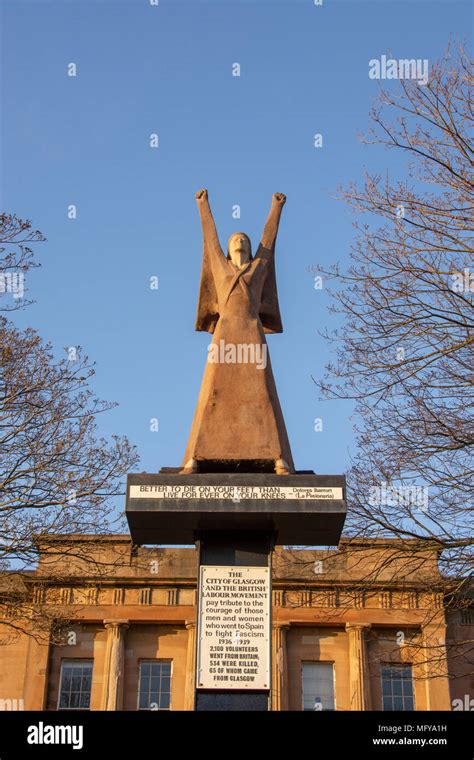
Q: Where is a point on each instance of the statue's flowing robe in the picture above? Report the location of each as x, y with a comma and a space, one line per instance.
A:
238, 414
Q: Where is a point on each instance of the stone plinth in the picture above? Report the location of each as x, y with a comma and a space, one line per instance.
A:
299, 509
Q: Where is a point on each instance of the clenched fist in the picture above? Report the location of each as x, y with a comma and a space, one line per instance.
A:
201, 195
279, 198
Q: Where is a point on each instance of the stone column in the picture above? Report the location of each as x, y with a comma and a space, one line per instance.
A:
279, 666
190, 681
114, 664
358, 666
233, 550
434, 657
36, 674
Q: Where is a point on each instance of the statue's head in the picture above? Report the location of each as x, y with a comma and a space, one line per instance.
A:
239, 249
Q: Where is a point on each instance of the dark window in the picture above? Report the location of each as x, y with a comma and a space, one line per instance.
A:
75, 685
154, 688
318, 686
397, 687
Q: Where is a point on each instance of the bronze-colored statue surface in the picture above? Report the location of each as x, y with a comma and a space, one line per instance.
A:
238, 416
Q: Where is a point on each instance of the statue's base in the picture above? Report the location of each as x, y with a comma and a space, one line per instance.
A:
300, 509
235, 520
235, 551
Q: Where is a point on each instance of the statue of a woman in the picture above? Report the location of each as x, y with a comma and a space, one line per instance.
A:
238, 418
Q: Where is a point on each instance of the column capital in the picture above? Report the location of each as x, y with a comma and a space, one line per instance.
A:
358, 626
113, 623
281, 624
190, 624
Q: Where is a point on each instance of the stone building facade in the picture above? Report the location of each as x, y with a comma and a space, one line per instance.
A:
358, 628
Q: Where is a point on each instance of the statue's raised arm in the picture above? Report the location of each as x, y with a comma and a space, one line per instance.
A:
270, 231
209, 231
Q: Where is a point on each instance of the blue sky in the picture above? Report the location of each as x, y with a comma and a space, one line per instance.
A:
167, 69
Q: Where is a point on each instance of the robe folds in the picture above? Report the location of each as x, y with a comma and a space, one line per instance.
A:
238, 415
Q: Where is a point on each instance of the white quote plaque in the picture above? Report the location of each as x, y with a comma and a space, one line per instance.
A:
236, 493
233, 648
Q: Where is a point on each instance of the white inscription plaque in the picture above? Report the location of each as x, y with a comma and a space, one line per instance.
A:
235, 493
233, 649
